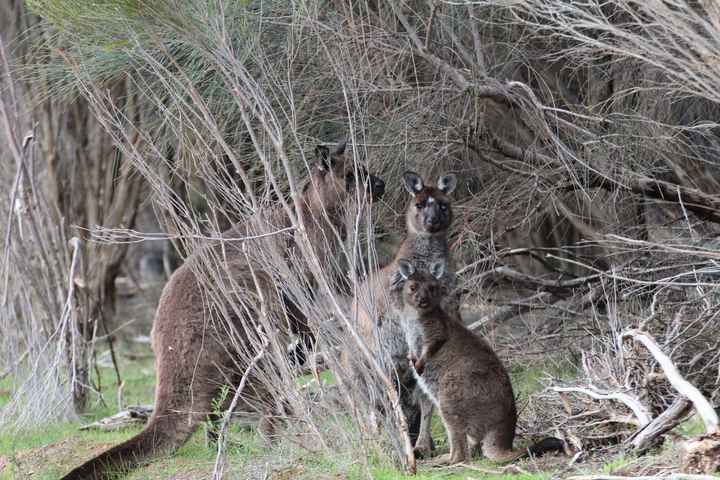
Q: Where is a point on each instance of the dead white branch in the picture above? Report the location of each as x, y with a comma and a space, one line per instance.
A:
685, 388
133, 415
664, 422
642, 413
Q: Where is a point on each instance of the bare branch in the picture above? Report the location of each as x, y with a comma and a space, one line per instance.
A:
703, 408
640, 411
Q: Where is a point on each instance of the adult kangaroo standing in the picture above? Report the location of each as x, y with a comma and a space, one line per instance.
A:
196, 351
428, 219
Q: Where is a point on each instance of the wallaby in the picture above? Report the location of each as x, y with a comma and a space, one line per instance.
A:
196, 355
460, 373
428, 219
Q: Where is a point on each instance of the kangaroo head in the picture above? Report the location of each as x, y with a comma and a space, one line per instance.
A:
430, 211
336, 176
422, 290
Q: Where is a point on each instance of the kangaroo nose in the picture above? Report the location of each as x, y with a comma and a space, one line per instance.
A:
432, 222
377, 187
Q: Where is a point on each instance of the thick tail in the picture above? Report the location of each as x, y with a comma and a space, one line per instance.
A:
549, 444
162, 434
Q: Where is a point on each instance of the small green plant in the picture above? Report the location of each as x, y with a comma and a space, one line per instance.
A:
616, 464
217, 409
691, 427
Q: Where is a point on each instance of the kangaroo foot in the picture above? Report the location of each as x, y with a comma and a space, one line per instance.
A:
446, 460
441, 461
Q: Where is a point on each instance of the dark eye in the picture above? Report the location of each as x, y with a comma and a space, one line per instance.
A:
413, 287
420, 205
443, 206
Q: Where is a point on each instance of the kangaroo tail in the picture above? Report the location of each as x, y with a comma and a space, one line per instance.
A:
162, 434
549, 444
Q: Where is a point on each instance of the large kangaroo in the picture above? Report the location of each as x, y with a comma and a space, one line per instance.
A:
461, 374
196, 355
428, 218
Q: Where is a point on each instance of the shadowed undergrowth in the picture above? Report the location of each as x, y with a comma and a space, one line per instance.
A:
51, 451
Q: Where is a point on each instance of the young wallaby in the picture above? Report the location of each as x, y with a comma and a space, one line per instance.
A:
461, 374
199, 350
428, 219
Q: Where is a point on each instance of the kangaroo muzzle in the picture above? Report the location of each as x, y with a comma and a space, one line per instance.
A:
376, 187
434, 217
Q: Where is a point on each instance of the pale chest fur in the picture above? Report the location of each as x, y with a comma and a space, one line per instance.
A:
415, 339
392, 337
412, 331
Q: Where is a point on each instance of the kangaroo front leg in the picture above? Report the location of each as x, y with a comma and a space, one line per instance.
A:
424, 445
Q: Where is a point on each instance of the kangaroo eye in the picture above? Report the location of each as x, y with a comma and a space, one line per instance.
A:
443, 207
413, 287
420, 205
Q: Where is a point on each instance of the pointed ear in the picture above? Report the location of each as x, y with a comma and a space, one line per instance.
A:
406, 269
437, 269
323, 156
413, 182
447, 183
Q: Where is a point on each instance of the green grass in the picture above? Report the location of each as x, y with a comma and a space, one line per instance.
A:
326, 377
36, 449
692, 427
6, 387
529, 378
454, 474
616, 464
49, 452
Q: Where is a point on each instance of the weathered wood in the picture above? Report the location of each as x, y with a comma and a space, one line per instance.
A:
666, 421
702, 406
133, 415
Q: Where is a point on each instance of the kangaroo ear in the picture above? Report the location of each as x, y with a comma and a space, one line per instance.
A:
447, 183
437, 269
413, 182
406, 269
325, 160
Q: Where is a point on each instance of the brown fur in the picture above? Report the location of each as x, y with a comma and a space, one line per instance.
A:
428, 219
195, 349
461, 374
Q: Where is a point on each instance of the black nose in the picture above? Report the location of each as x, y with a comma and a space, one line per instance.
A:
377, 186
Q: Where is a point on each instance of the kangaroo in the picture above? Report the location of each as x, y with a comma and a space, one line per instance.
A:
196, 355
461, 374
428, 219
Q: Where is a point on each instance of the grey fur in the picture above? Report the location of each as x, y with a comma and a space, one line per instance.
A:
425, 244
